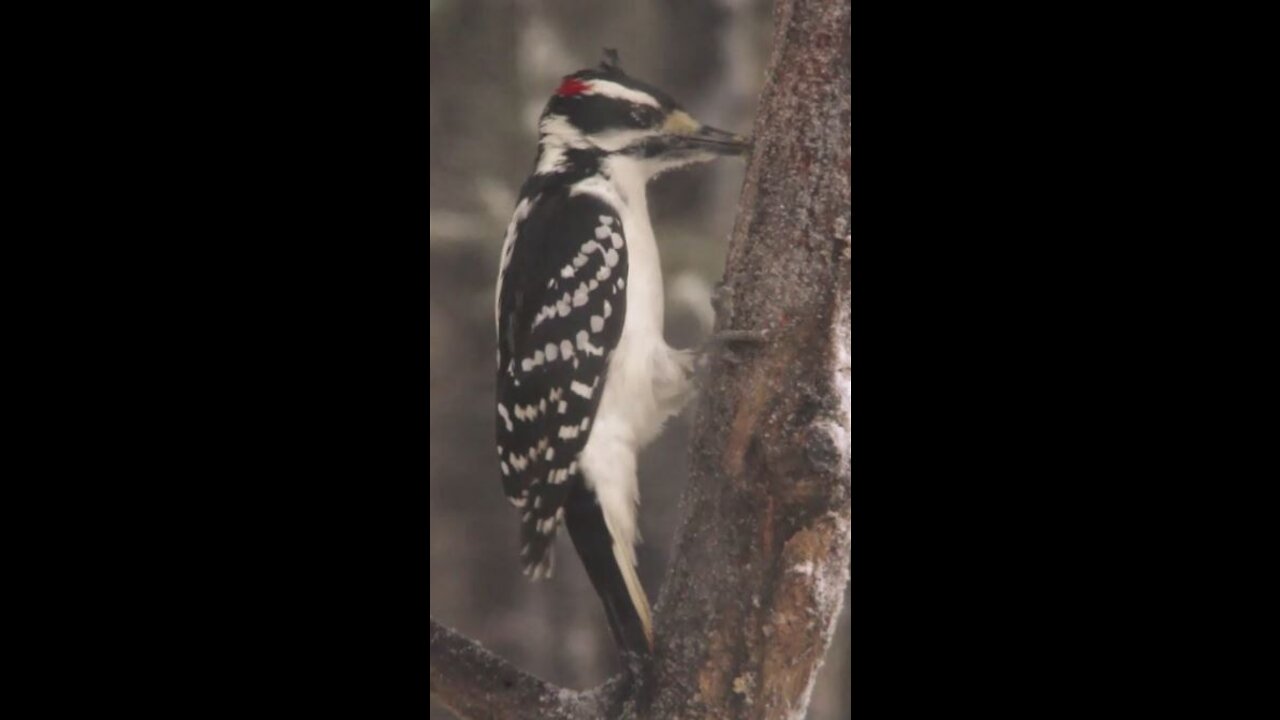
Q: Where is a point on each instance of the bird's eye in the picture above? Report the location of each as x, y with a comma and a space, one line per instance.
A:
643, 117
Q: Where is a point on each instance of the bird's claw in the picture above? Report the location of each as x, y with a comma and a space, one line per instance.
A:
741, 336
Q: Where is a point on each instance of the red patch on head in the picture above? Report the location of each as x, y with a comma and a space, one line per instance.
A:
572, 86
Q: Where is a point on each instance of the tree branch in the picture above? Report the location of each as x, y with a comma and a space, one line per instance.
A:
474, 683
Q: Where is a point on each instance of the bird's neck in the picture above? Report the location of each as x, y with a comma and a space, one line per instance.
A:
630, 176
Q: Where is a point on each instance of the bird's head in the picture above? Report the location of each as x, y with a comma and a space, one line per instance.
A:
606, 111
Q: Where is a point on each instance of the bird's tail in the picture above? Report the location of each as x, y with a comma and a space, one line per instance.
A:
611, 566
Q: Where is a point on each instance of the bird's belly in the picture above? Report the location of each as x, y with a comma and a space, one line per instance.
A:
629, 408
644, 373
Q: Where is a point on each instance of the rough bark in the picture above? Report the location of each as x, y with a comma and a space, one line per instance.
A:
762, 558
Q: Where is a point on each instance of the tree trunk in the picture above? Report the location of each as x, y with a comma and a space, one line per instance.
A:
762, 557
762, 560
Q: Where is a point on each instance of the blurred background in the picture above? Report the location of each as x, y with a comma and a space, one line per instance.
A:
494, 64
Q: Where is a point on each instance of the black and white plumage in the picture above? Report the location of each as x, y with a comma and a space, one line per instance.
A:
585, 377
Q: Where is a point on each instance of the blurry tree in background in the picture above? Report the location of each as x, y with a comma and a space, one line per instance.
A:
494, 64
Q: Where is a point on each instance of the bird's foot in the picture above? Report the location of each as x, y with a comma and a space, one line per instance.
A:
741, 336
729, 341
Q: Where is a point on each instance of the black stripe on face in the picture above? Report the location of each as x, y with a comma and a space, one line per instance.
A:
594, 114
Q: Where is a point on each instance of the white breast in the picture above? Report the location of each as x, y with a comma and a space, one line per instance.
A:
640, 366
644, 375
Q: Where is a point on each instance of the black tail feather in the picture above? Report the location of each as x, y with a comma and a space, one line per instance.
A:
594, 544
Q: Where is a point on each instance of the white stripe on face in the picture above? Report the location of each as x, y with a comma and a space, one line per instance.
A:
615, 140
610, 89
558, 127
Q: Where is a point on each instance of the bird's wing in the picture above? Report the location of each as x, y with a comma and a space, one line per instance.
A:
561, 304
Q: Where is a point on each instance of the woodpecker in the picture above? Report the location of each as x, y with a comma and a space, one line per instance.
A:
585, 378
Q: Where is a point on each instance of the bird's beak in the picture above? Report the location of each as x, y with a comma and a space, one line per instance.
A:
687, 133
720, 141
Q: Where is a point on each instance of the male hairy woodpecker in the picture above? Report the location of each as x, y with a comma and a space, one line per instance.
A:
585, 378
